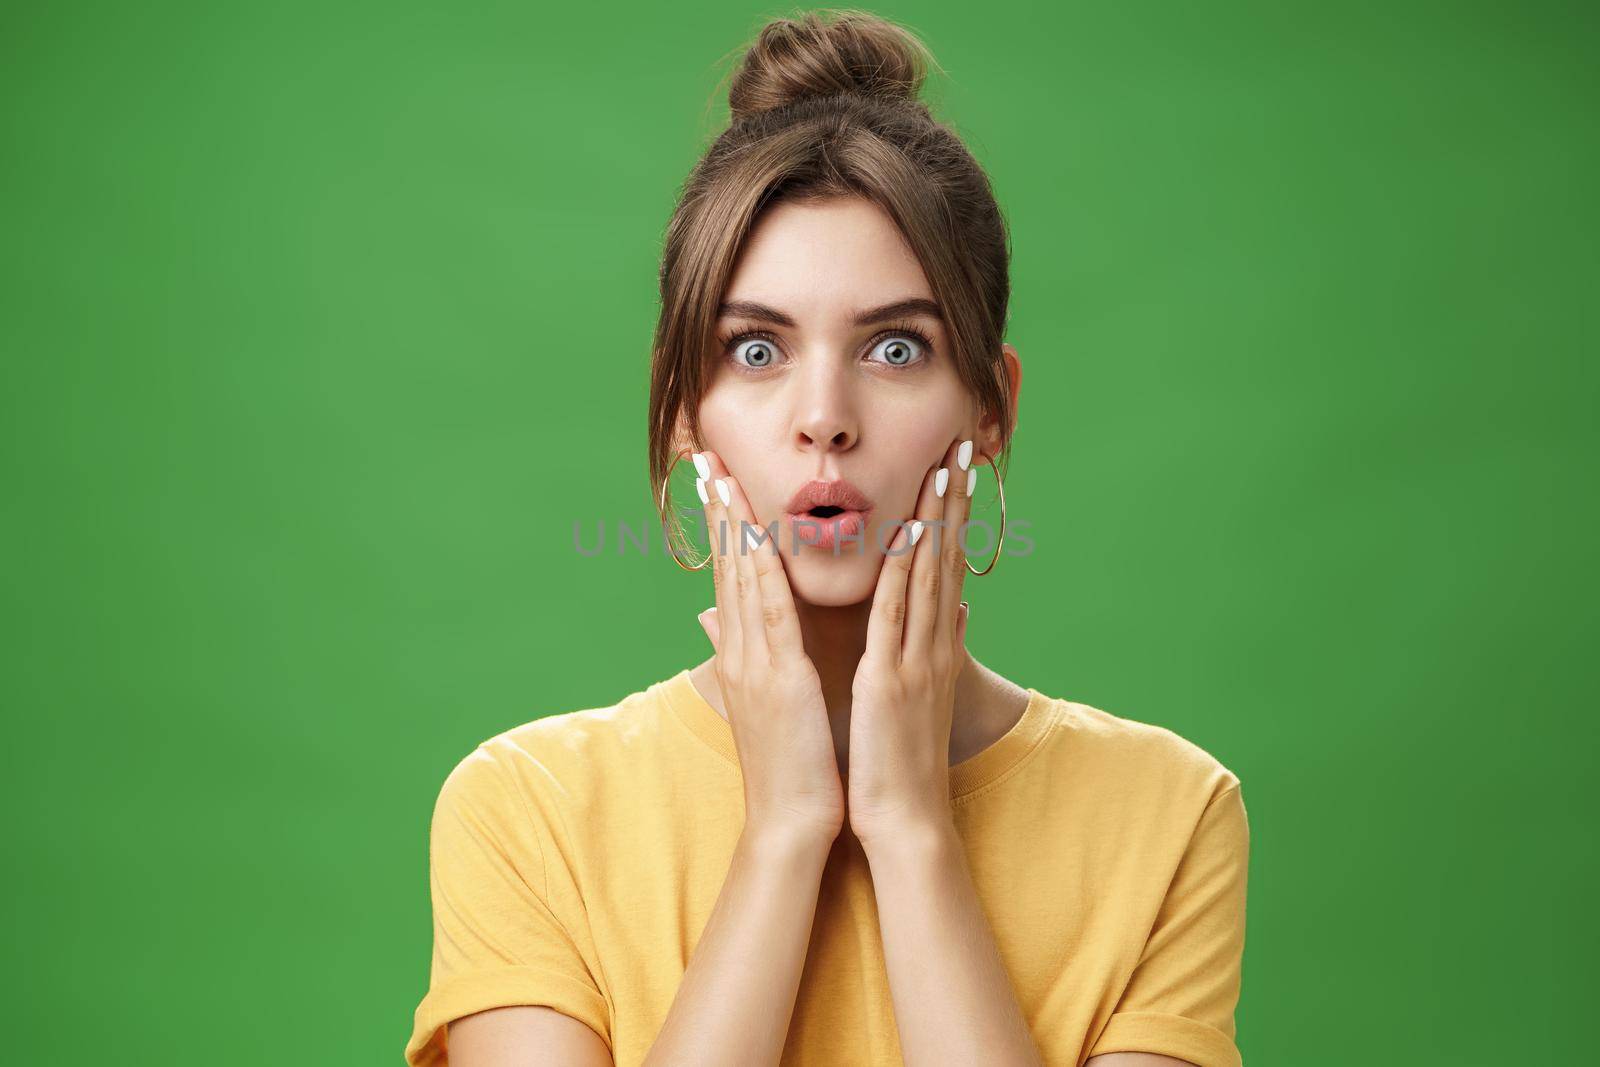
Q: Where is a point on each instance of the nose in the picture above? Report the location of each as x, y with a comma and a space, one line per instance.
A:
825, 417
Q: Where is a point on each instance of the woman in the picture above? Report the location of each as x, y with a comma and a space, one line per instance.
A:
840, 839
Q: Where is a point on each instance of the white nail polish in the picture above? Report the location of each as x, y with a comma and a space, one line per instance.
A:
722, 492
941, 480
964, 454
916, 530
701, 467
972, 479
700, 487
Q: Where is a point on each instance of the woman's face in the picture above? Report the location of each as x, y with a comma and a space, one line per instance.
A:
816, 383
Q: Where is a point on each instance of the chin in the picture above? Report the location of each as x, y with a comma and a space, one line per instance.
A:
825, 581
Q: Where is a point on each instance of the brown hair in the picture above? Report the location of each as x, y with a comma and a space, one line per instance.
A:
826, 105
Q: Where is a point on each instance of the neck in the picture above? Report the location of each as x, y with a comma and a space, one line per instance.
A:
835, 639
986, 705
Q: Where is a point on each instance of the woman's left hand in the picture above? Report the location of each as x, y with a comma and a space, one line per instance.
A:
903, 698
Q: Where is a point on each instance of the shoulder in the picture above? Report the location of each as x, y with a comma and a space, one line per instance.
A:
564, 754
1127, 754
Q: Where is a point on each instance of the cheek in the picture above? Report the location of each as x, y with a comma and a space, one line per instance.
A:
724, 424
740, 433
919, 434
916, 440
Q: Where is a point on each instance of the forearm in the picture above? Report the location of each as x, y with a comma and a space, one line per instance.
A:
953, 1000
737, 995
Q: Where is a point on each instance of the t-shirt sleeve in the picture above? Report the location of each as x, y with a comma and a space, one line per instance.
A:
1181, 997
497, 941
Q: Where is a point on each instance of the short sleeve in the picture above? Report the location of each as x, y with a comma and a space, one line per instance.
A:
1181, 997
497, 941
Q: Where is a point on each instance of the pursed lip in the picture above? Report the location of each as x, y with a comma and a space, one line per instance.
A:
838, 493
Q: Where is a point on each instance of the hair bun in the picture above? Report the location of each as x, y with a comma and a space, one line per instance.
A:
817, 55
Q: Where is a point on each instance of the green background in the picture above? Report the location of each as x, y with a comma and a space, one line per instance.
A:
324, 322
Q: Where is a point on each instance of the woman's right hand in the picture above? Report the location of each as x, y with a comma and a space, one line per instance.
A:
770, 688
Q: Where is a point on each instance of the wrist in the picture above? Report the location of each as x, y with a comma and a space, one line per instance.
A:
785, 837
910, 838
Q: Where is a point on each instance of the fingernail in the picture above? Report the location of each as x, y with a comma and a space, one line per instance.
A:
722, 492
940, 480
972, 479
701, 467
916, 530
700, 487
964, 454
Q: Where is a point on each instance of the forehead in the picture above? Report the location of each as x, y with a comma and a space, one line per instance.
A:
825, 260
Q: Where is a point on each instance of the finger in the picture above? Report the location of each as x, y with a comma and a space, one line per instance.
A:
708, 623
953, 560
723, 576
742, 535
778, 614
927, 571
886, 621
961, 624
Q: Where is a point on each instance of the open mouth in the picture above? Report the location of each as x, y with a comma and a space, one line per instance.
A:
828, 514
828, 526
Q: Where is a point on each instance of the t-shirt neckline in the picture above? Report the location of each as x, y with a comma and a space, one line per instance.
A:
968, 776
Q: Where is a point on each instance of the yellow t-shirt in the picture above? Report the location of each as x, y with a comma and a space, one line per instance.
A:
576, 858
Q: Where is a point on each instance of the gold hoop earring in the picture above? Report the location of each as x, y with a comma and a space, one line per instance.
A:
1000, 486
661, 511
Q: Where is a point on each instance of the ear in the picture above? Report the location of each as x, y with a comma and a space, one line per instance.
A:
989, 431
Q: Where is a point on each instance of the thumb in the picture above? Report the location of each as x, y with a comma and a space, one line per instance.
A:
713, 629
961, 623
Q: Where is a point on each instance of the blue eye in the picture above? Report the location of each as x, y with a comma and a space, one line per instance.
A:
759, 352
903, 345
902, 349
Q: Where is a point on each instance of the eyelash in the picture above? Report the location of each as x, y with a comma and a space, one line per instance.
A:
726, 342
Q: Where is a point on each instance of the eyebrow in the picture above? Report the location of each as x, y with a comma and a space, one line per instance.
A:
751, 309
